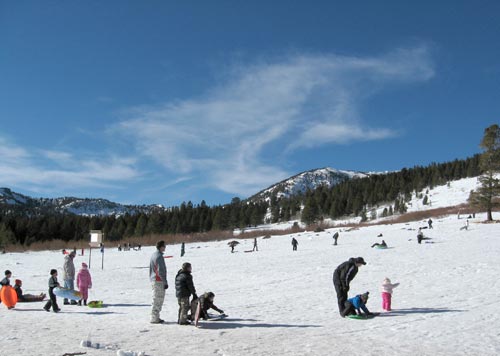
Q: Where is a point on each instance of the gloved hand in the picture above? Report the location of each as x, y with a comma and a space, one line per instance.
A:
222, 312
165, 286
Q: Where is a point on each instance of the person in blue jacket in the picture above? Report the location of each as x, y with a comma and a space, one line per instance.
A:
357, 304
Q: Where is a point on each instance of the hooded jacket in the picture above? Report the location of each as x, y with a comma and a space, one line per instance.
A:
345, 273
83, 279
358, 304
68, 268
184, 286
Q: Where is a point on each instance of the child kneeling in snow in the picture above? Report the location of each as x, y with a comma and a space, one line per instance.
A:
386, 290
84, 283
206, 302
354, 305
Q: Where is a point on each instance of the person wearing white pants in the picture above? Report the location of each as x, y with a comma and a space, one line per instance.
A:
158, 278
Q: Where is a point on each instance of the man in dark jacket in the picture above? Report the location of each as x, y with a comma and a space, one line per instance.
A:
342, 277
184, 288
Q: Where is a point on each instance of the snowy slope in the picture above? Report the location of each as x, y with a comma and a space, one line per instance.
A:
309, 180
78, 206
281, 302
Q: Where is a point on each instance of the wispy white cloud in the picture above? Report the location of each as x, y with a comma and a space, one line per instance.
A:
31, 169
303, 101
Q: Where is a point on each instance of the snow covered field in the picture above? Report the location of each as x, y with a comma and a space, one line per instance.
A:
280, 302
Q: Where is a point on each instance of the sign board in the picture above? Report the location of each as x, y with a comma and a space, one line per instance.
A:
96, 238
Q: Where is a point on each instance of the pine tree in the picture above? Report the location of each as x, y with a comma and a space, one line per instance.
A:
490, 165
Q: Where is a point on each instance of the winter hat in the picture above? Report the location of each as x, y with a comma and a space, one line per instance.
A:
387, 280
210, 294
18, 282
84, 265
53, 271
365, 296
360, 260
186, 266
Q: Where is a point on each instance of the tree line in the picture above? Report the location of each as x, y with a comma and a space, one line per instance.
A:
353, 197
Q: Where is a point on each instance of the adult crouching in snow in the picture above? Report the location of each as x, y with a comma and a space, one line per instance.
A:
184, 288
342, 277
69, 274
158, 279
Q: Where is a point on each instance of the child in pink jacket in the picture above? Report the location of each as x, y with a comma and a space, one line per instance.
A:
386, 290
84, 283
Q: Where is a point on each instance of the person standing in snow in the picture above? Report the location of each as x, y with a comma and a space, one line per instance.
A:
184, 288
255, 247
158, 279
386, 290
183, 249
84, 283
53, 283
335, 237
342, 277
69, 274
294, 244
430, 223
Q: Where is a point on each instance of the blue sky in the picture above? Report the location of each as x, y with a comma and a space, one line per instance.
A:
159, 102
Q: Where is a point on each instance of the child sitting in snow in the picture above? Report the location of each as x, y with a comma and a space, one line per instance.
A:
26, 297
84, 283
354, 305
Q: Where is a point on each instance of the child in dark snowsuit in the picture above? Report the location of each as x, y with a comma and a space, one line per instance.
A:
354, 305
206, 302
6, 280
53, 283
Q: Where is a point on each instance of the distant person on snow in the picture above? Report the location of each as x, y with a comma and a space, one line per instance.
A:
354, 306
84, 283
342, 277
295, 243
206, 302
184, 288
386, 290
53, 283
69, 274
421, 237
158, 279
429, 222
255, 247
380, 245
335, 237
232, 244
183, 249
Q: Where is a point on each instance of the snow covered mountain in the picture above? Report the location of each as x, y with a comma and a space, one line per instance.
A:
308, 180
13, 201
